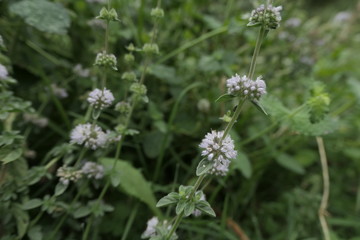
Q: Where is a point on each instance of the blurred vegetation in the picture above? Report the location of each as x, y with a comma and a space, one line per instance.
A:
273, 191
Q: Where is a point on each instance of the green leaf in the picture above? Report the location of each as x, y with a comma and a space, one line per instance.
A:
60, 188
82, 212
180, 206
8, 154
7, 138
151, 143
243, 164
274, 107
132, 182
115, 177
205, 207
290, 163
165, 73
169, 199
43, 15
22, 220
204, 166
33, 203
301, 123
259, 106
225, 97
189, 208
35, 233
253, 24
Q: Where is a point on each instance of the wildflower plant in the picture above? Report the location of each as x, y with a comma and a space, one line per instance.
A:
217, 147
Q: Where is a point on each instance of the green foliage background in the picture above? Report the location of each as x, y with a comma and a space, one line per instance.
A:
274, 188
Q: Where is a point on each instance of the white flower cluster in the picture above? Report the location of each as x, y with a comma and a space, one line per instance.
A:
67, 174
36, 120
150, 228
59, 91
268, 17
81, 71
100, 98
245, 87
219, 151
3, 72
91, 136
93, 170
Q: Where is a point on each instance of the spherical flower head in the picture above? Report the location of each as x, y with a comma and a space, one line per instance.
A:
100, 99
203, 105
218, 150
93, 170
106, 60
150, 228
90, 135
123, 107
67, 174
269, 17
3, 72
245, 87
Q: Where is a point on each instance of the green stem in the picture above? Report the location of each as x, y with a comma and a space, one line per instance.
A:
130, 222
259, 41
233, 119
176, 224
88, 226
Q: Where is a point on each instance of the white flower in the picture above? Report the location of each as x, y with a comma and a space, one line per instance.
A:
245, 87
293, 22
90, 135
100, 98
150, 228
219, 151
342, 17
3, 72
36, 119
81, 71
58, 91
270, 17
93, 170
67, 174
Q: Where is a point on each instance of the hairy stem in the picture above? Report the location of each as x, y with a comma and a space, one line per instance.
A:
326, 190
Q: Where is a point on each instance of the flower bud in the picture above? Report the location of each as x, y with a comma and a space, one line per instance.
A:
129, 76
107, 15
151, 48
157, 12
131, 47
139, 89
106, 60
203, 105
129, 58
123, 107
